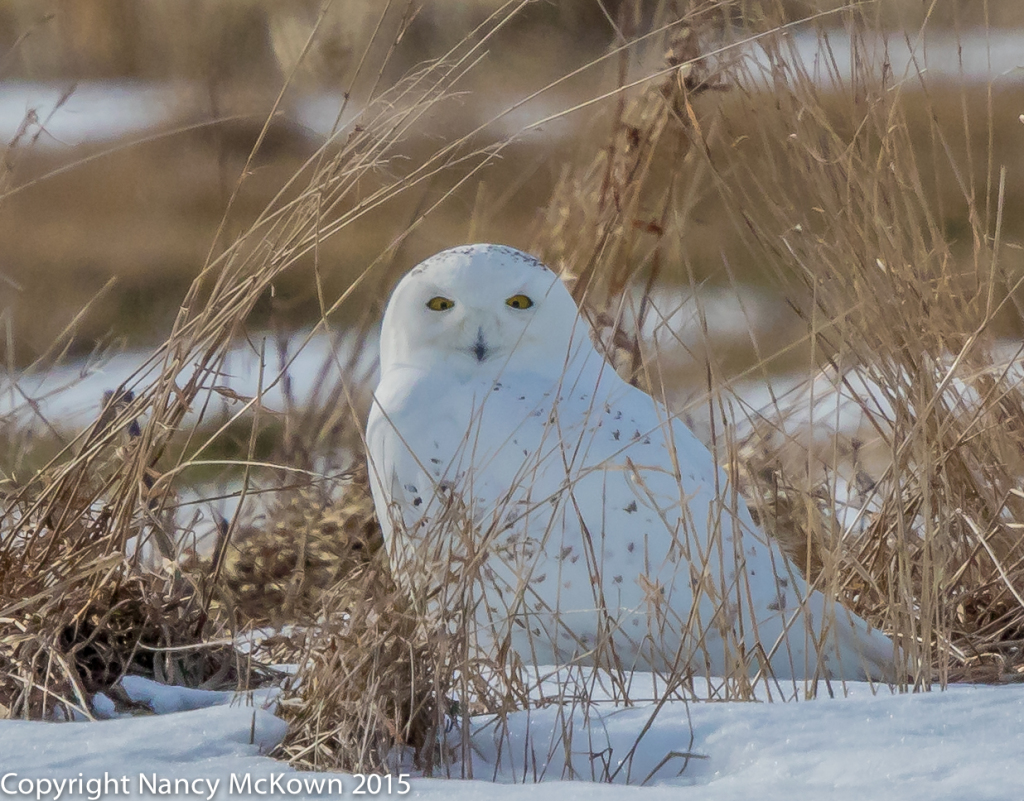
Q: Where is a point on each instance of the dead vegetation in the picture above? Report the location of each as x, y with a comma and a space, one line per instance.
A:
83, 531
906, 318
99, 576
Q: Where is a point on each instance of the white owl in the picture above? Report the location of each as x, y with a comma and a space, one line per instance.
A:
527, 490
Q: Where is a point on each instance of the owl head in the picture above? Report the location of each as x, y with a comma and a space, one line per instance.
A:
478, 311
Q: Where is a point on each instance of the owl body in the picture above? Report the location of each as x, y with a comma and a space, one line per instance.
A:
563, 514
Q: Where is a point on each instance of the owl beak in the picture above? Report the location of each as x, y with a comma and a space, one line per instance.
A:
479, 348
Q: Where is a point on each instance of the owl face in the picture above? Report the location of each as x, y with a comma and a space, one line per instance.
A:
478, 310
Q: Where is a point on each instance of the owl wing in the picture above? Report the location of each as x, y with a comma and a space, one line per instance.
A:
714, 584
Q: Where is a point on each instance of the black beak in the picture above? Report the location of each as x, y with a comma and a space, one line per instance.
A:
480, 347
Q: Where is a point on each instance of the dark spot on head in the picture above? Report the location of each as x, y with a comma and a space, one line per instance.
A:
631, 508
435, 461
630, 547
417, 501
411, 488
615, 436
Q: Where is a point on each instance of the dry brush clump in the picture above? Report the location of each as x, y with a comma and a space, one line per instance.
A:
274, 570
373, 676
81, 608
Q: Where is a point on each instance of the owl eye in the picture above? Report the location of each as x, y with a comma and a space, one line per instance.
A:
519, 302
440, 304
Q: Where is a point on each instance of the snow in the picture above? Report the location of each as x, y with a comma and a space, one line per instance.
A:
964, 742
72, 395
72, 113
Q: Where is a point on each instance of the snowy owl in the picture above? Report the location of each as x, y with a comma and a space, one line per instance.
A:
563, 513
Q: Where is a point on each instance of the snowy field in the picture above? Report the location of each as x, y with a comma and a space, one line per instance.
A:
966, 742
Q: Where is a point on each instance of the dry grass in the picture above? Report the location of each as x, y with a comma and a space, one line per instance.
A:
373, 675
82, 530
858, 243
275, 569
862, 250
891, 298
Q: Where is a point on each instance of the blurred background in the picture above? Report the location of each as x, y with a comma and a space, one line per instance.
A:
125, 126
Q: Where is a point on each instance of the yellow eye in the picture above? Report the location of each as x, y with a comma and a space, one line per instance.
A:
519, 302
440, 304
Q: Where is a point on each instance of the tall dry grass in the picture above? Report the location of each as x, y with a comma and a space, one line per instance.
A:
75, 533
894, 323
827, 185
910, 329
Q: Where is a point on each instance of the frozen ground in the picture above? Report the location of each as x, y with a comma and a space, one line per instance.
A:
963, 743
